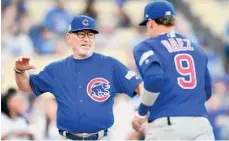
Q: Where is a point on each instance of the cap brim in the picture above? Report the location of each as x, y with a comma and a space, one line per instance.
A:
143, 23
94, 31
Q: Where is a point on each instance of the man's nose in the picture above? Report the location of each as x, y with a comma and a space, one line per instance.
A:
86, 38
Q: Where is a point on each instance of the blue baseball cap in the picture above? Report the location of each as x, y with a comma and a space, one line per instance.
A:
157, 9
82, 22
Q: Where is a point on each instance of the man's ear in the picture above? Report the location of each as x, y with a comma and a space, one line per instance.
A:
149, 23
152, 22
68, 36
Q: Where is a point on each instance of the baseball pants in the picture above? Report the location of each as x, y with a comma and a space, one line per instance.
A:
179, 128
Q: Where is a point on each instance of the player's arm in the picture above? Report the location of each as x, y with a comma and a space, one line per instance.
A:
36, 83
22, 81
152, 77
125, 80
152, 73
208, 87
21, 76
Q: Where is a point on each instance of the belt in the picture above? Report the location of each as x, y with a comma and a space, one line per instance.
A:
168, 121
83, 136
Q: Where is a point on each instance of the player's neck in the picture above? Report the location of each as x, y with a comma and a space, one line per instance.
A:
161, 31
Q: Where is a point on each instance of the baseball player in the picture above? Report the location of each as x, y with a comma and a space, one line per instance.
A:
176, 80
84, 84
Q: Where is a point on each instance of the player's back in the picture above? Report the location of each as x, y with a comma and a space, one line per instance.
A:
184, 64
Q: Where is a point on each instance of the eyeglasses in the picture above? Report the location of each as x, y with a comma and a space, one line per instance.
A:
81, 35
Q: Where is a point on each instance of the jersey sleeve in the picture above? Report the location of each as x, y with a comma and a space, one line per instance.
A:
42, 82
149, 67
125, 80
144, 56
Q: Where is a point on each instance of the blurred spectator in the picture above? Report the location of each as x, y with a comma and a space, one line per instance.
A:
11, 12
123, 19
137, 38
37, 117
226, 51
42, 117
8, 18
227, 26
35, 34
5, 4
203, 41
215, 112
18, 43
14, 30
215, 63
122, 125
21, 9
51, 132
140, 36
13, 124
120, 3
58, 18
227, 29
90, 9
46, 42
220, 91
225, 130
25, 22
5, 54
184, 27
226, 47
107, 37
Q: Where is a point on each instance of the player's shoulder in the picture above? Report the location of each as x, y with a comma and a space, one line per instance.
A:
144, 46
58, 63
198, 47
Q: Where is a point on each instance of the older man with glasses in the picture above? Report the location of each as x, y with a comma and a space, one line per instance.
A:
84, 84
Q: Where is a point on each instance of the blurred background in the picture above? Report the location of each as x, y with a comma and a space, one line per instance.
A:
37, 28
